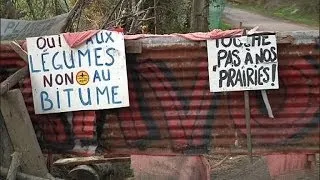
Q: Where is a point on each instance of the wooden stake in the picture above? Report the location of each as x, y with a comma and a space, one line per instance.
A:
15, 163
266, 103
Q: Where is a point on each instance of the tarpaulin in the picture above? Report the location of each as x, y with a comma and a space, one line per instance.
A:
197, 36
76, 39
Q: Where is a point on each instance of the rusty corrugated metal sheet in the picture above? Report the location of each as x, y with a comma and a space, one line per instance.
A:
172, 111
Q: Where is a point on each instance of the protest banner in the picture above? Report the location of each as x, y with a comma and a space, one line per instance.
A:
90, 77
243, 63
13, 29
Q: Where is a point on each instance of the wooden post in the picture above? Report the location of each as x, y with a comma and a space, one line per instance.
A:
22, 134
248, 125
247, 114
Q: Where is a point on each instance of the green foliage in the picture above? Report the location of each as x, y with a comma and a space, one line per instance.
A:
171, 15
32, 9
225, 26
215, 15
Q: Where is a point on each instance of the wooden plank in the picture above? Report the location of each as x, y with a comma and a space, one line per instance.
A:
18, 49
12, 29
4, 172
87, 160
6, 147
15, 163
266, 103
12, 80
22, 134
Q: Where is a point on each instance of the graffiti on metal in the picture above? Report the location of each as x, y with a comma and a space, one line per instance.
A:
172, 110
12, 29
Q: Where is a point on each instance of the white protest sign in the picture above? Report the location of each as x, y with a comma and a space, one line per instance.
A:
90, 77
243, 63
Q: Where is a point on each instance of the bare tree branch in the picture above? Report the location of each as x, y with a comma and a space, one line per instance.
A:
67, 6
110, 15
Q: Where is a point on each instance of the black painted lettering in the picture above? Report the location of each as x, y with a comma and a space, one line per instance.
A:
236, 42
260, 57
267, 55
250, 73
255, 76
47, 81
239, 78
244, 78
260, 75
223, 74
266, 73
248, 59
222, 54
69, 78
59, 79
274, 54
41, 43
237, 61
265, 41
256, 40
226, 42
230, 80
217, 43
51, 43
273, 71
229, 59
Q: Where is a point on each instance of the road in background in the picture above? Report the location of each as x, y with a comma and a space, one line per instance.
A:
249, 20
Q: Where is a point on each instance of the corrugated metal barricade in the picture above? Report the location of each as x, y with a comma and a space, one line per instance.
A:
172, 111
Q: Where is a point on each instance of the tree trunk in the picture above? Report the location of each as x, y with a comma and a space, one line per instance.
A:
199, 16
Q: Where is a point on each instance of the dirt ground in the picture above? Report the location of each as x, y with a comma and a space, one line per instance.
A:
240, 168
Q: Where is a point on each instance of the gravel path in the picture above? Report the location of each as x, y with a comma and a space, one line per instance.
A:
249, 20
